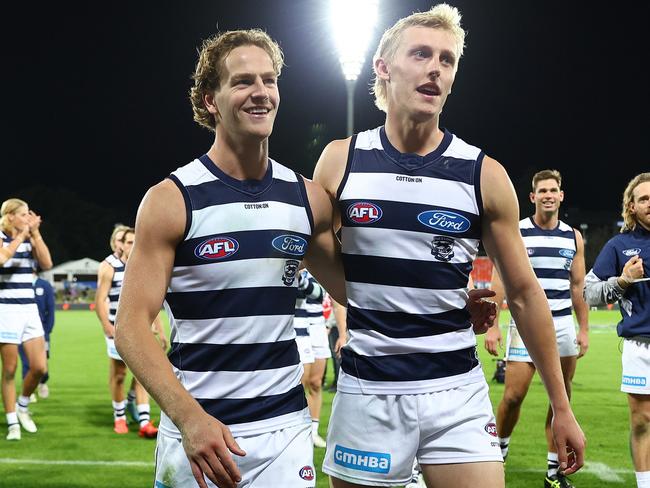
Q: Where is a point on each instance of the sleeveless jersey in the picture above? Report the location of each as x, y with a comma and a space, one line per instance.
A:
16, 285
232, 295
116, 285
410, 231
551, 254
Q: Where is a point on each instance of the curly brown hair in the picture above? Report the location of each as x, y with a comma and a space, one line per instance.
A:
210, 66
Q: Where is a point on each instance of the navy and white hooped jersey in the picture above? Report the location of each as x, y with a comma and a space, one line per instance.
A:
309, 304
116, 285
635, 300
232, 295
16, 283
411, 227
551, 255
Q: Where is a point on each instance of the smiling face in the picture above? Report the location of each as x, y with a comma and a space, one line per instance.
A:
421, 73
640, 205
247, 101
547, 196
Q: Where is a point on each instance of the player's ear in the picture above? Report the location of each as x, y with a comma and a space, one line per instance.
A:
381, 69
531, 195
210, 104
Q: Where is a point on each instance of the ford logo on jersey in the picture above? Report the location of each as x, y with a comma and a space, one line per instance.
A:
444, 220
216, 248
567, 253
288, 244
632, 252
364, 213
375, 462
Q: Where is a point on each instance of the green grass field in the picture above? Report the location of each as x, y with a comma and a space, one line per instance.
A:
76, 447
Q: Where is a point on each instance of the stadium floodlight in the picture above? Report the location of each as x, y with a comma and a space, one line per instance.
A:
353, 23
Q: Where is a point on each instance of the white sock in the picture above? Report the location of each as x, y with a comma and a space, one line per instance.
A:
130, 397
144, 414
12, 418
119, 411
314, 426
504, 443
553, 464
23, 403
642, 479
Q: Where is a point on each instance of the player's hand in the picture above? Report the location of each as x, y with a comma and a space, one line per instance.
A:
583, 343
164, 343
569, 440
482, 312
208, 445
109, 330
493, 340
633, 269
340, 342
34, 221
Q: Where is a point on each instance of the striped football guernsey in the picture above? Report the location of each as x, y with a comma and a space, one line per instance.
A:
232, 295
410, 231
551, 253
116, 285
16, 285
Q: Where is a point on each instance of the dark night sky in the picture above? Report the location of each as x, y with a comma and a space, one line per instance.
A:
102, 89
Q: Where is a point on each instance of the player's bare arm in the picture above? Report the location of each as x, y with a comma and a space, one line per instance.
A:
39, 249
104, 278
329, 172
577, 278
160, 225
528, 305
323, 257
493, 337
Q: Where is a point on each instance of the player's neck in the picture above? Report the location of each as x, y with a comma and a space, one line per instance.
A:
546, 221
410, 136
242, 160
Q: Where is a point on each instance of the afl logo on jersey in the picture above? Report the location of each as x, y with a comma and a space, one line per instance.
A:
216, 248
632, 252
289, 244
444, 220
306, 473
364, 213
491, 429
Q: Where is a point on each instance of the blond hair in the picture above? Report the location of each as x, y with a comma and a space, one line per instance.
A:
10, 207
629, 220
209, 72
118, 228
441, 16
547, 174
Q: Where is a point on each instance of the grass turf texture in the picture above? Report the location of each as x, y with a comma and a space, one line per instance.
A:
76, 447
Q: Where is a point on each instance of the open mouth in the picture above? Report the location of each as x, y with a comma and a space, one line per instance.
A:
429, 89
259, 111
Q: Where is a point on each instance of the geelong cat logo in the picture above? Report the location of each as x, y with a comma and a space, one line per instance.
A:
364, 213
444, 220
216, 248
289, 244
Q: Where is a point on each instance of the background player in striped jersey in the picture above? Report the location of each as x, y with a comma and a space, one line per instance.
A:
23, 249
621, 274
556, 252
221, 241
109, 285
311, 337
414, 201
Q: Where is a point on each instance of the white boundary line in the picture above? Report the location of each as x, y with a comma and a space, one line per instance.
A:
75, 462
